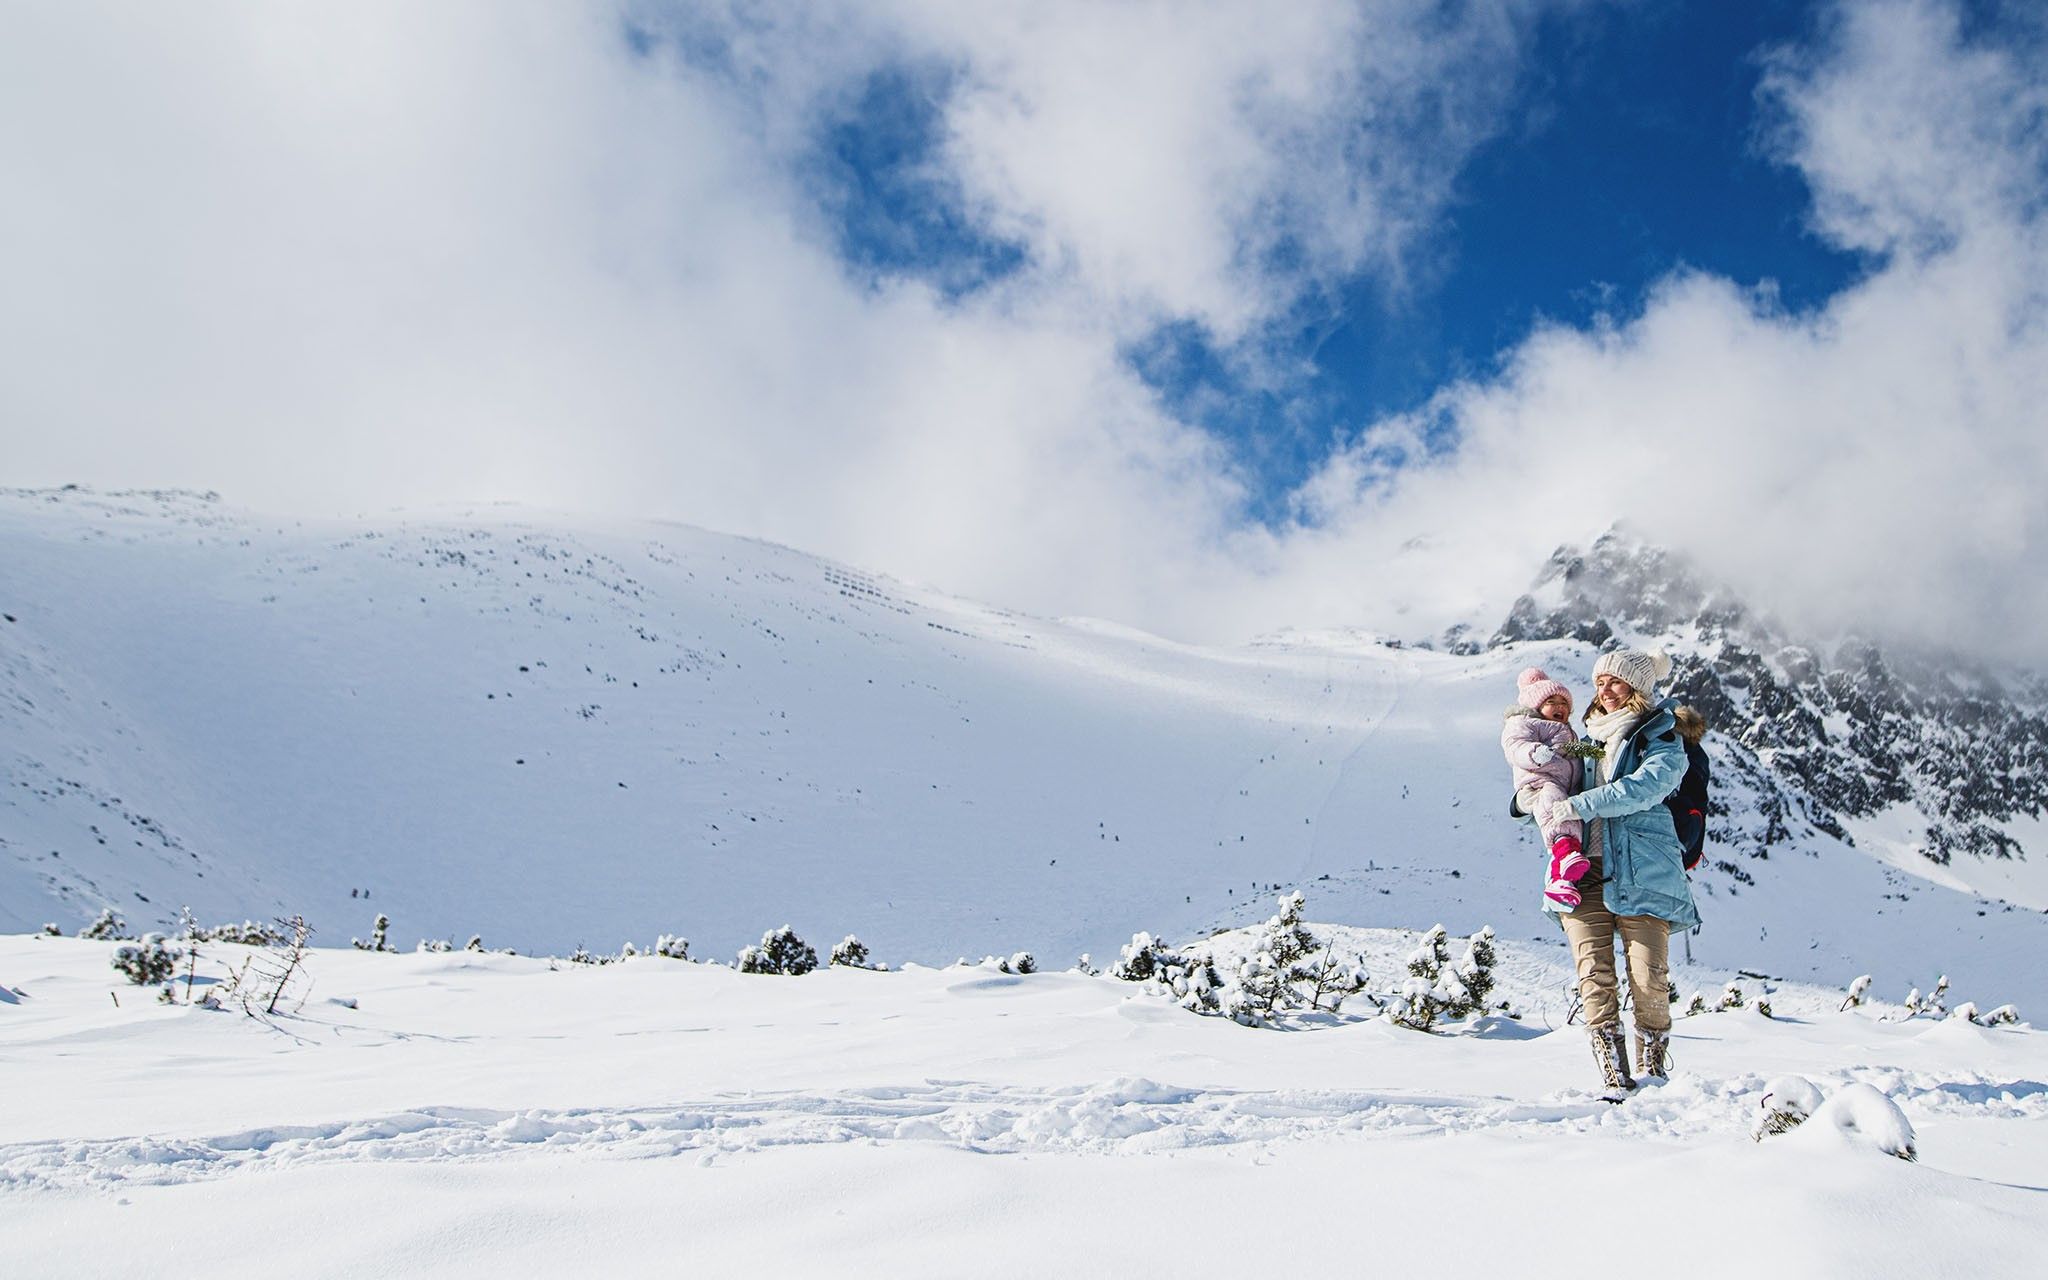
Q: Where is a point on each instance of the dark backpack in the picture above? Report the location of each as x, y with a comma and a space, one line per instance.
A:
1688, 805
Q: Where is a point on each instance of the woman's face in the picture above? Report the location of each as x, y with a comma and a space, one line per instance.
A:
1611, 694
1556, 707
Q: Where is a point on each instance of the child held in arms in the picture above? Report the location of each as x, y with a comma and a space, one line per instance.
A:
1545, 755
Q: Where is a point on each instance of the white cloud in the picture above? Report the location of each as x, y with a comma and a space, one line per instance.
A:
346, 257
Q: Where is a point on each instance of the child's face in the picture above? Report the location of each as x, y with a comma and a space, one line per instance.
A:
1556, 707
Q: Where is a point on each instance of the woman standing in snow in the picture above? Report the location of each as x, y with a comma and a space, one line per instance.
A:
1637, 884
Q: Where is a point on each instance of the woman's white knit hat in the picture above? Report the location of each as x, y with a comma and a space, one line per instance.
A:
1633, 667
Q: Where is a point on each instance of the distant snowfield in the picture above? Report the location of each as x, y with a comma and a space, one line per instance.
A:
493, 722
485, 1114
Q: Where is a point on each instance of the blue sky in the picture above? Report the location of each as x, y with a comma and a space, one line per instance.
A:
1635, 146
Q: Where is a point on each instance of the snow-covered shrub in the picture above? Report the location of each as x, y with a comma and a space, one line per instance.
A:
850, 952
435, 946
248, 934
1786, 1103
1967, 1011
1139, 959
52, 931
1264, 986
1192, 979
2004, 1015
1731, 998
146, 961
1763, 1004
1194, 982
378, 933
1436, 989
781, 951
1697, 1005
672, 946
1023, 962
1334, 978
475, 943
1857, 990
107, 927
1936, 999
1475, 970
1912, 1004
1086, 964
627, 950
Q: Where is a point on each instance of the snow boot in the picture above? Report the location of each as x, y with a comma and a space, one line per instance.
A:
1610, 1050
1567, 860
1563, 892
1653, 1055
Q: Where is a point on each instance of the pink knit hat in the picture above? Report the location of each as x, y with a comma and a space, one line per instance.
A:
1537, 688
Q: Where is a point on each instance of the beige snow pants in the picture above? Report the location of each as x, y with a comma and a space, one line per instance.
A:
1590, 930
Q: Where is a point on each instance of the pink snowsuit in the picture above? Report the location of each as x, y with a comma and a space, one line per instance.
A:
1538, 785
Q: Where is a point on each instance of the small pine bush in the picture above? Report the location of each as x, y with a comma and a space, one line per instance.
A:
107, 927
850, 953
1191, 980
1436, 989
1857, 990
248, 933
781, 951
672, 946
378, 934
1731, 998
146, 961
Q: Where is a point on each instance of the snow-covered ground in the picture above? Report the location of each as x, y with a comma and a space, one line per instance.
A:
471, 1114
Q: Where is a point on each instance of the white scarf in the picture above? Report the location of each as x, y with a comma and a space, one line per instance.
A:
1611, 727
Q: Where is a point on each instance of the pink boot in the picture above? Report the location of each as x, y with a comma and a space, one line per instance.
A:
1563, 892
1566, 862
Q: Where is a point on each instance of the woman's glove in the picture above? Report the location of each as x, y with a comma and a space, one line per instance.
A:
1541, 754
1561, 811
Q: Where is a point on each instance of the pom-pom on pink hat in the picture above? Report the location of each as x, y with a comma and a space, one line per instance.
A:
1537, 688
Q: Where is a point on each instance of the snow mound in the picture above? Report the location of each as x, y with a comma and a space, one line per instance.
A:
1861, 1116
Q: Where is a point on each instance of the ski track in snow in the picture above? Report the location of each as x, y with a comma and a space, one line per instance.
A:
1129, 1116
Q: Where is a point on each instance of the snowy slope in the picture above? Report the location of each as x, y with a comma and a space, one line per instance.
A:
487, 1115
559, 734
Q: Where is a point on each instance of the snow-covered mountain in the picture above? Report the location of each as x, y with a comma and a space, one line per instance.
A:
554, 733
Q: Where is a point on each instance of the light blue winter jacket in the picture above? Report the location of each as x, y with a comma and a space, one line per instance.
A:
1640, 854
